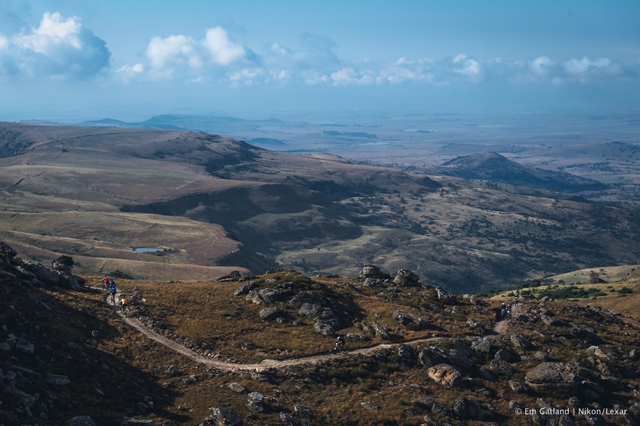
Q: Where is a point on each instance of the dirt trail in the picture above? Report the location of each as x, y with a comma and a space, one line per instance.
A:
499, 328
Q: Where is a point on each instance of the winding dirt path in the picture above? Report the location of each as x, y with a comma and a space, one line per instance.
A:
499, 328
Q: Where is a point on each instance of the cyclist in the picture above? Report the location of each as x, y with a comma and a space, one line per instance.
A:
124, 302
105, 282
112, 291
339, 344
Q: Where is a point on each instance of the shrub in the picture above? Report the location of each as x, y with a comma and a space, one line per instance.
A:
625, 290
65, 260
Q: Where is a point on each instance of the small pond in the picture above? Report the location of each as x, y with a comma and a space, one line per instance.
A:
147, 249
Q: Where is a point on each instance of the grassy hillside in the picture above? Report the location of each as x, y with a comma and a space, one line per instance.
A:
221, 204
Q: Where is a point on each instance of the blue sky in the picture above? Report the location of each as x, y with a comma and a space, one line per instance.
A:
76, 59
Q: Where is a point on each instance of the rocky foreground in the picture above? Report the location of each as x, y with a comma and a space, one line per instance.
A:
552, 363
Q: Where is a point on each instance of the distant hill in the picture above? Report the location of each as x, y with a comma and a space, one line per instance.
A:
197, 123
497, 168
96, 193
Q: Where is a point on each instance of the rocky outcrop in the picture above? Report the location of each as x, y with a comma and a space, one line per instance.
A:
245, 288
522, 342
467, 409
224, 417
406, 278
501, 367
324, 329
373, 272
380, 331
305, 297
444, 295
407, 319
445, 375
554, 378
432, 356
270, 314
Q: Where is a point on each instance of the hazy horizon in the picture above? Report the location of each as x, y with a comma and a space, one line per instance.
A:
72, 61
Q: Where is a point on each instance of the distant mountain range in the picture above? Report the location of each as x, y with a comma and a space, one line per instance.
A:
200, 123
494, 167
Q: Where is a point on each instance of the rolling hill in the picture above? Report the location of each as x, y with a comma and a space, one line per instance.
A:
220, 204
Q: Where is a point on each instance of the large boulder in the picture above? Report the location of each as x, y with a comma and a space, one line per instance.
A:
324, 328
522, 342
381, 331
554, 378
309, 309
445, 375
467, 409
305, 297
407, 319
223, 417
370, 271
432, 356
245, 288
501, 367
270, 314
444, 295
406, 278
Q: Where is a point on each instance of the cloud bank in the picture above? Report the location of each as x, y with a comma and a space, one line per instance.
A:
59, 48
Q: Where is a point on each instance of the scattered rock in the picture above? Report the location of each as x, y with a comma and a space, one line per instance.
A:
324, 329
236, 387
444, 295
406, 352
25, 346
541, 356
595, 350
173, 371
446, 375
370, 271
407, 319
356, 337
291, 421
501, 367
522, 342
467, 409
481, 345
406, 278
233, 276
504, 354
554, 378
381, 331
368, 405
309, 309
303, 411
517, 387
223, 417
432, 356
305, 297
57, 379
245, 288
270, 314
81, 421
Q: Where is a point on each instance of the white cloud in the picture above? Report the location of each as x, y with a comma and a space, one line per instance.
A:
471, 69
584, 70
541, 67
223, 50
59, 47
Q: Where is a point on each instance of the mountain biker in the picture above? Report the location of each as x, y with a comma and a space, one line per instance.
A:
112, 291
339, 343
124, 302
105, 282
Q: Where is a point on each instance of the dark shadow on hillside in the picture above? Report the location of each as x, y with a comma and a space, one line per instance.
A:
66, 343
